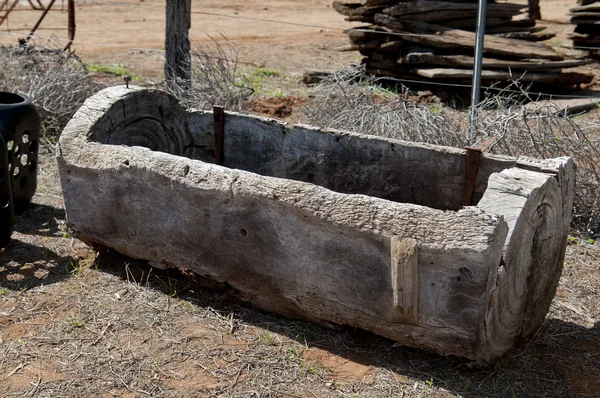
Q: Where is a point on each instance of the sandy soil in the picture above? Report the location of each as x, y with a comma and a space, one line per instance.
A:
282, 47
279, 46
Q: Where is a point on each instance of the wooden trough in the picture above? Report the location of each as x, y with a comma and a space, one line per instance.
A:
327, 226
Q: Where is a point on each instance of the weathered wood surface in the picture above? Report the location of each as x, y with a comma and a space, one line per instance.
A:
527, 36
587, 31
448, 28
492, 25
443, 37
429, 58
422, 276
566, 106
405, 279
177, 43
594, 7
537, 207
538, 77
344, 162
351, 10
431, 11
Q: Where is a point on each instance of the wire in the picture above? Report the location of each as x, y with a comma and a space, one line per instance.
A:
55, 38
388, 78
255, 19
385, 78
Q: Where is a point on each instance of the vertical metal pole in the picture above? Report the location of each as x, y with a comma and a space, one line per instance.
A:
476, 88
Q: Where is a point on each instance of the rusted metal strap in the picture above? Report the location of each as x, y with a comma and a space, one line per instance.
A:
219, 126
8, 10
39, 21
472, 158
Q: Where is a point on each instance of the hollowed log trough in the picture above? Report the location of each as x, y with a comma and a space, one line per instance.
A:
327, 226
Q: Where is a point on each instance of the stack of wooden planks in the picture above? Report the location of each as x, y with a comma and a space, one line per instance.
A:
434, 40
586, 17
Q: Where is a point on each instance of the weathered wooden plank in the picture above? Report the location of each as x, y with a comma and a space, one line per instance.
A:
427, 6
585, 21
436, 11
590, 7
443, 37
351, 10
590, 15
429, 58
523, 25
405, 279
359, 45
539, 77
471, 24
527, 36
568, 106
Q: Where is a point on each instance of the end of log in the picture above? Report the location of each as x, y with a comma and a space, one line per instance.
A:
520, 293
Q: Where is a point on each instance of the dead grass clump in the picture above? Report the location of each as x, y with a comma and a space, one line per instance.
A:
55, 81
349, 100
215, 79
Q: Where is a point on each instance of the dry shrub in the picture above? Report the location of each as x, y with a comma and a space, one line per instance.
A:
57, 82
348, 100
215, 78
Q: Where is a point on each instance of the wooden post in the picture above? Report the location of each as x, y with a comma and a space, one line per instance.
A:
177, 43
534, 9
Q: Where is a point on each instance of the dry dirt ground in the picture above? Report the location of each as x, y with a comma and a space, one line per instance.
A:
75, 322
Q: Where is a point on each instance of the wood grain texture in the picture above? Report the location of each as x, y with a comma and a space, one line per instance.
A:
405, 279
443, 37
491, 75
537, 205
177, 42
464, 61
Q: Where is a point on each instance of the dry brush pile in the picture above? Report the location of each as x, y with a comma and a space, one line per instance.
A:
215, 78
347, 100
55, 81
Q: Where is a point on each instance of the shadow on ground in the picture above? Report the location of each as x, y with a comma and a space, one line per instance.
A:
39, 252
563, 359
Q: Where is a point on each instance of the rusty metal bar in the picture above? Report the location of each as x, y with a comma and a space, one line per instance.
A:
3, 4
219, 126
8, 10
40, 19
71, 11
472, 158
34, 6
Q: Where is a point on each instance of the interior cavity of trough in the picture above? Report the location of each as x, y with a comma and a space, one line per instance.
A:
327, 226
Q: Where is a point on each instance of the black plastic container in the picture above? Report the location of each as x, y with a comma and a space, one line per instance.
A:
20, 128
7, 215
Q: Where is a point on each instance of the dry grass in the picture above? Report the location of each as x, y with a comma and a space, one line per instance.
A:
215, 78
55, 81
348, 100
